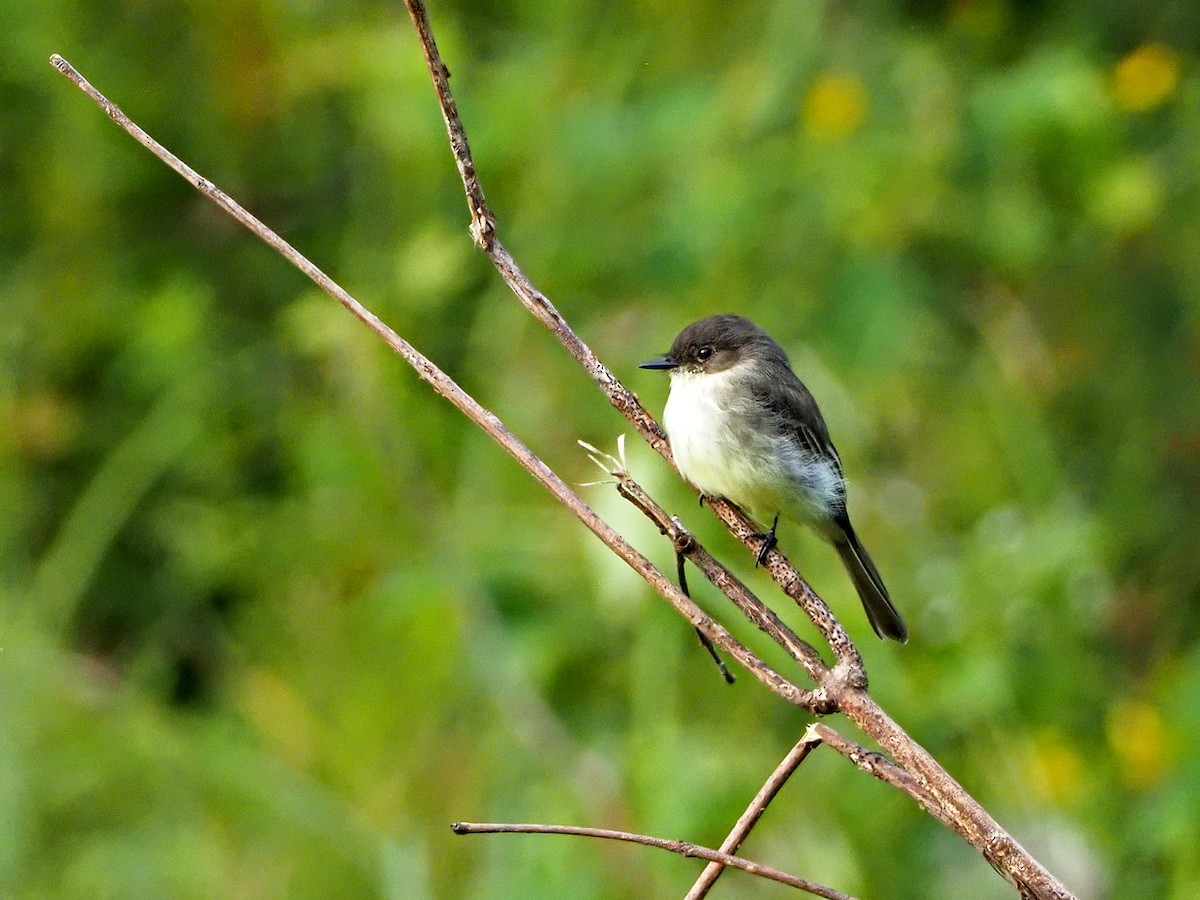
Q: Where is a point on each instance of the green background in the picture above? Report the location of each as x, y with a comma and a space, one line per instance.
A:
274, 615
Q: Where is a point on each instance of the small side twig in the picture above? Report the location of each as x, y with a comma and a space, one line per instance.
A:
879, 766
729, 584
681, 847
681, 580
619, 470
875, 764
753, 813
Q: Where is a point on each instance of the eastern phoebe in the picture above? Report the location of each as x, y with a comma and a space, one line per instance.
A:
743, 426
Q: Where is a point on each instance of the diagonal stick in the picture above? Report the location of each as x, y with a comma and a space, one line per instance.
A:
444, 385
753, 813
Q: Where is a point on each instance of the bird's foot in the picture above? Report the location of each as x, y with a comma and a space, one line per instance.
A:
768, 543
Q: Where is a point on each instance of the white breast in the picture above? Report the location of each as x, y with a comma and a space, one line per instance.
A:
711, 421
714, 445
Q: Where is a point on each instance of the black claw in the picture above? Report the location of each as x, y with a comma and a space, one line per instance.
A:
768, 543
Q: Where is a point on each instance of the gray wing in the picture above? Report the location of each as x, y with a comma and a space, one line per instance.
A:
794, 407
792, 404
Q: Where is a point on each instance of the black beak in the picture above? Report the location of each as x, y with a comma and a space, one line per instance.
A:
663, 362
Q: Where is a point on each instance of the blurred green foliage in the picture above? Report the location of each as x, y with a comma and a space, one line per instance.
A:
274, 615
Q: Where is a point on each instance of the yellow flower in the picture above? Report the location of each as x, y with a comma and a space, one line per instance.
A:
835, 106
1138, 737
1057, 767
1146, 77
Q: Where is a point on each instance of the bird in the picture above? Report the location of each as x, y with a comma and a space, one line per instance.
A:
743, 427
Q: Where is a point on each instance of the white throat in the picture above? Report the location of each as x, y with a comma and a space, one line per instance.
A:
700, 418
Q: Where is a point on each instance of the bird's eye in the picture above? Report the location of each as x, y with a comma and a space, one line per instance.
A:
704, 352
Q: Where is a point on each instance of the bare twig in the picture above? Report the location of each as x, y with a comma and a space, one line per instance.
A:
871, 762
681, 847
879, 766
446, 387
970, 820
752, 814
483, 224
753, 608
846, 682
621, 397
681, 580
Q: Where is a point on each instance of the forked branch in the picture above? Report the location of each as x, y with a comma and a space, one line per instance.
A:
753, 813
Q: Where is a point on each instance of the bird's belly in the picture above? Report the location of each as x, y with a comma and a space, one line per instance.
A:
724, 455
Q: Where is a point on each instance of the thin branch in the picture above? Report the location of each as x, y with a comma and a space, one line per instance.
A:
681, 847
725, 581
966, 816
484, 223
753, 813
879, 766
847, 680
681, 580
876, 765
446, 387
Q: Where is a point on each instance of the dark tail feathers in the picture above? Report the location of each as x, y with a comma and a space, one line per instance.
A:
883, 616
